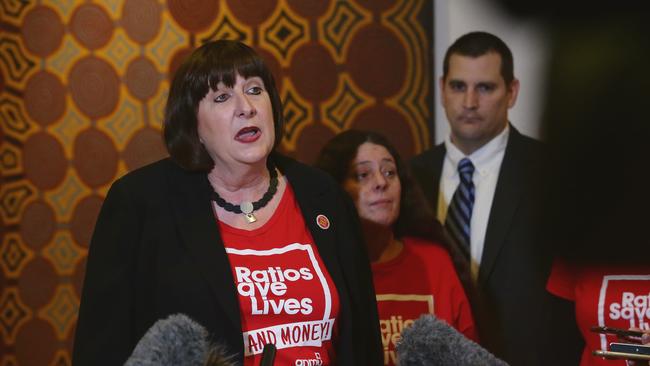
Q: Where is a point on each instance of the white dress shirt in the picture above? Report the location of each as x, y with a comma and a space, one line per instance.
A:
487, 163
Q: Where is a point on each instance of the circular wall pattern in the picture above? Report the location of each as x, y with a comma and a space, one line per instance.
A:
37, 225
82, 102
252, 11
313, 72
42, 31
44, 161
95, 157
36, 332
309, 9
141, 19
83, 219
146, 146
142, 78
193, 15
45, 98
39, 283
91, 26
94, 86
375, 53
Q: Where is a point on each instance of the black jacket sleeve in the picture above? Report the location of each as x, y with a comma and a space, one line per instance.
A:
106, 289
363, 299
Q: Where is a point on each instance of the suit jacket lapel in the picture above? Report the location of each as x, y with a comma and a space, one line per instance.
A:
507, 196
190, 196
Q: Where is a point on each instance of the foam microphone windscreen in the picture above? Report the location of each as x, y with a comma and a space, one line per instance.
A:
177, 341
432, 342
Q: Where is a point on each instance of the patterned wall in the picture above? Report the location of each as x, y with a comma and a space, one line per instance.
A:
82, 91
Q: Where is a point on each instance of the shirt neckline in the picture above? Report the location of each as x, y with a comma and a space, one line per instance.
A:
279, 212
483, 156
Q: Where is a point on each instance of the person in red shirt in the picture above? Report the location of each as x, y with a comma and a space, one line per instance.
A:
413, 272
606, 295
254, 246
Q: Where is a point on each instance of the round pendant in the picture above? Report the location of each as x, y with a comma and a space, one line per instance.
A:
246, 207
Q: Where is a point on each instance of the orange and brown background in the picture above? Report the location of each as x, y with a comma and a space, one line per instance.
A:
82, 92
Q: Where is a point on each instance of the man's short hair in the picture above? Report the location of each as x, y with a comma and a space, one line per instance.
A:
475, 44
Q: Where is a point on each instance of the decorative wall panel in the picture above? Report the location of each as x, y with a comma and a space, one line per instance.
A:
82, 93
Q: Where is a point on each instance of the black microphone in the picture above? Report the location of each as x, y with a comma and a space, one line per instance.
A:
432, 342
268, 355
177, 341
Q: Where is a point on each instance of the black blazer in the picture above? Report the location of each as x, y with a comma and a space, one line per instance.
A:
515, 265
156, 251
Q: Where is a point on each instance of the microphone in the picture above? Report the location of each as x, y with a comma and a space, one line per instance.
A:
432, 342
177, 341
268, 355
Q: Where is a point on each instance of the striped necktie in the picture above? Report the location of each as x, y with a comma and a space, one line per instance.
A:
459, 213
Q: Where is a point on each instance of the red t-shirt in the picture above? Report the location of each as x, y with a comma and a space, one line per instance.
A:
420, 280
286, 296
604, 296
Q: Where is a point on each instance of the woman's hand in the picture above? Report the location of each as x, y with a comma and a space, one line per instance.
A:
645, 340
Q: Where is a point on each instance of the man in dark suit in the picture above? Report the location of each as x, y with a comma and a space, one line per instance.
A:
497, 217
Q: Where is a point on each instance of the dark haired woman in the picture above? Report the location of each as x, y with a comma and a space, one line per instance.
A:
255, 247
412, 275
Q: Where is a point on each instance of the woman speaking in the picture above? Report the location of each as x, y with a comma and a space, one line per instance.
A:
254, 246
